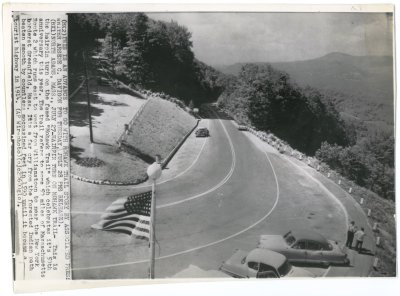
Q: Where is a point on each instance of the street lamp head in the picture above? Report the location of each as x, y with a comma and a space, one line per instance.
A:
154, 171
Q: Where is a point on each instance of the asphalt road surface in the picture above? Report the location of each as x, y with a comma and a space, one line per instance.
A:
231, 189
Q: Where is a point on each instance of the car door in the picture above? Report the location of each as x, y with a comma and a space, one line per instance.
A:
298, 252
252, 269
315, 252
266, 271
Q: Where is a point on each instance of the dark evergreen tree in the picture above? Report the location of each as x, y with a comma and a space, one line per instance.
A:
132, 56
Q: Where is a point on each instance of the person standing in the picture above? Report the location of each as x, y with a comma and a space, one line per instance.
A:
359, 236
350, 235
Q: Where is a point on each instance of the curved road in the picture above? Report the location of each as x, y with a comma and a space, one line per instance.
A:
235, 189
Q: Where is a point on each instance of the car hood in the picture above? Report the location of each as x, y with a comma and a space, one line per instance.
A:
299, 272
272, 242
233, 266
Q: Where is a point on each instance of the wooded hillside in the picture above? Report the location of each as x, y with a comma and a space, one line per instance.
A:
268, 100
145, 54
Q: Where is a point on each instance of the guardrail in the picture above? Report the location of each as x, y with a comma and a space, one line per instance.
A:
172, 153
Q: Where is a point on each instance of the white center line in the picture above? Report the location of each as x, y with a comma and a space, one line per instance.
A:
221, 183
202, 246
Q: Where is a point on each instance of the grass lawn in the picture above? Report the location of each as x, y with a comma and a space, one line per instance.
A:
160, 127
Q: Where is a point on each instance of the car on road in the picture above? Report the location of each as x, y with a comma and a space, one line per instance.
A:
305, 246
242, 127
202, 132
261, 263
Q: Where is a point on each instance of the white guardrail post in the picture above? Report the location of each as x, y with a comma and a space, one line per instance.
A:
376, 262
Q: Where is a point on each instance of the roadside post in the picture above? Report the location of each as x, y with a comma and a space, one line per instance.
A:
376, 263
154, 172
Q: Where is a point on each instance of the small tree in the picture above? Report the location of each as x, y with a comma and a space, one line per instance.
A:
191, 104
329, 154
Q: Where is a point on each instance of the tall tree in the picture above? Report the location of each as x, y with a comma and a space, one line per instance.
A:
132, 56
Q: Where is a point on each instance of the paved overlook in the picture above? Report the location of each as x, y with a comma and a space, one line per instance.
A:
217, 194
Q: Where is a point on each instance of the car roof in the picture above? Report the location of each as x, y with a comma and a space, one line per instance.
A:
308, 234
266, 256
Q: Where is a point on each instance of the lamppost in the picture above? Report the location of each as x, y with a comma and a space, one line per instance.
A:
154, 172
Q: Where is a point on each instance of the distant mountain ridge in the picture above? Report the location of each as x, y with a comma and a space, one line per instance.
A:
360, 86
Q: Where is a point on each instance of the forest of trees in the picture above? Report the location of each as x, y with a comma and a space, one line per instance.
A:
369, 162
145, 54
272, 103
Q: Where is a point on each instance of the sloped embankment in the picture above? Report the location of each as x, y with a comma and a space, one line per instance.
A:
159, 128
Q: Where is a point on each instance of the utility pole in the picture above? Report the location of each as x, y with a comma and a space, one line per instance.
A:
88, 98
152, 230
154, 172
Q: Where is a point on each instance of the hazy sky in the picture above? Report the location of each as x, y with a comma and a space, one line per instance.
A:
227, 38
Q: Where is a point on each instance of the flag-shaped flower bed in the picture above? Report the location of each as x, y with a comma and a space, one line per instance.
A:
129, 215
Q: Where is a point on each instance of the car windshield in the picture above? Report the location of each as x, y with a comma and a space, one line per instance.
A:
289, 238
284, 268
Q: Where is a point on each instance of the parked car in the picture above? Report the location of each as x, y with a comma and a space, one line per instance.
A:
305, 246
261, 263
202, 132
242, 127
